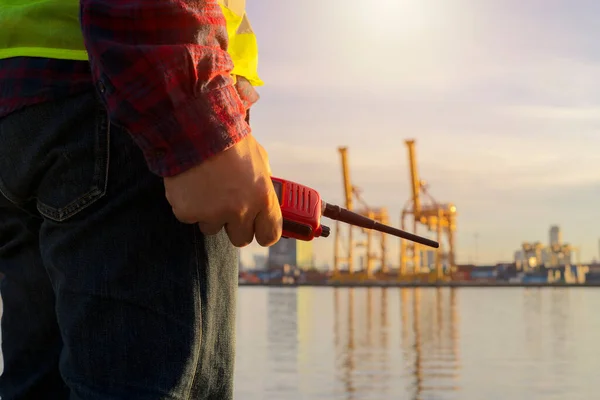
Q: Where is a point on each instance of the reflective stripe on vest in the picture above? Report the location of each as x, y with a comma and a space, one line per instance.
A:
47, 28
51, 29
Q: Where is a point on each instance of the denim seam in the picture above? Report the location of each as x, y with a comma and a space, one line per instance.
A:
4, 192
198, 353
103, 159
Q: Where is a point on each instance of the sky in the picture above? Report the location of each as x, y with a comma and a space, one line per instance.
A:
501, 96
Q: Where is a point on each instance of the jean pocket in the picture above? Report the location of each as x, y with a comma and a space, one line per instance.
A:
59, 154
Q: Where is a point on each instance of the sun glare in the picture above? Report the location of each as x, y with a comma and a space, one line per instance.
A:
396, 17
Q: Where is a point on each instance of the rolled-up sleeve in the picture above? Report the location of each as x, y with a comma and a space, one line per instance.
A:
163, 72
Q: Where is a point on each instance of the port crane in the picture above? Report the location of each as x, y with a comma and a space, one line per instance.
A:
380, 214
532, 253
558, 254
437, 217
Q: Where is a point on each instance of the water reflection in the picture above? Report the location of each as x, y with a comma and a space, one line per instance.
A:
433, 341
282, 343
428, 341
382, 344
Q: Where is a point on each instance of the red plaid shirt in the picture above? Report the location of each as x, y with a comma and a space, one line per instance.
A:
162, 70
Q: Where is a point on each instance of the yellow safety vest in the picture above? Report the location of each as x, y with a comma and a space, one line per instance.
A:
51, 29
243, 47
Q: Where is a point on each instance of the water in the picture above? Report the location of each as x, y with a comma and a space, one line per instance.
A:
468, 343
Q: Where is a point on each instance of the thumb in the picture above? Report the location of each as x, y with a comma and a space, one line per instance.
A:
269, 170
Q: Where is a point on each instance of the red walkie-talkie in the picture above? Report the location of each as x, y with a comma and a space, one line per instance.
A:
302, 209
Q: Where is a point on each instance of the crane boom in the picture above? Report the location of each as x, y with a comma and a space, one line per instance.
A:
346, 176
414, 178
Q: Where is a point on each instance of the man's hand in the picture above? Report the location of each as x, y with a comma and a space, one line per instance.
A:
232, 189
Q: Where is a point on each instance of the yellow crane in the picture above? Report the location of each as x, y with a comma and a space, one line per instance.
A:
532, 253
440, 218
535, 254
560, 254
352, 193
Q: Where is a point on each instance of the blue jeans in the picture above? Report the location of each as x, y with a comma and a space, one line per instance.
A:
105, 294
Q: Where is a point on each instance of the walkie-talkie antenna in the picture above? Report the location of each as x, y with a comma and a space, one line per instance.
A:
338, 213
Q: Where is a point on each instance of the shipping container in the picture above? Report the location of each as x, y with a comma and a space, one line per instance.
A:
516, 279
313, 276
535, 279
464, 268
461, 276
247, 277
594, 268
508, 273
483, 273
592, 277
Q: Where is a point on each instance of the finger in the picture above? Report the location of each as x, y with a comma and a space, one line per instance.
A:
269, 170
181, 217
210, 229
268, 223
241, 230
265, 157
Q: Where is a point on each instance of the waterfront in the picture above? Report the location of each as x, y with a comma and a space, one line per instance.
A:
465, 343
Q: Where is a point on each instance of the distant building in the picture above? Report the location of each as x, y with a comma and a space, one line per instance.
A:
560, 255
520, 259
260, 261
547, 256
555, 236
533, 255
293, 252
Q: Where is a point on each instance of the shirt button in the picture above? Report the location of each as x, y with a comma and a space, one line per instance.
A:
101, 87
